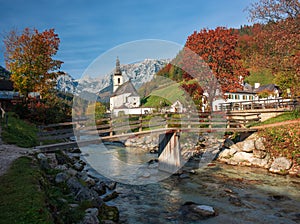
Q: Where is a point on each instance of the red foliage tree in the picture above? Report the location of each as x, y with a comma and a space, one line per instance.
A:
210, 56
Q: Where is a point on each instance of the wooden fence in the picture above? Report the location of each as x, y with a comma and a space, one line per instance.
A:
261, 104
110, 126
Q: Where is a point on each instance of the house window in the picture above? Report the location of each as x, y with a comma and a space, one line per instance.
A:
237, 97
244, 97
229, 96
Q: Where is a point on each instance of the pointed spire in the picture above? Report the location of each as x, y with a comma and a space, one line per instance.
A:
118, 70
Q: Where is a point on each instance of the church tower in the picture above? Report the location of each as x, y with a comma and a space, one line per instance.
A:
117, 77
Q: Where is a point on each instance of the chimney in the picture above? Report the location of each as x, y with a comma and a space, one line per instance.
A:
256, 85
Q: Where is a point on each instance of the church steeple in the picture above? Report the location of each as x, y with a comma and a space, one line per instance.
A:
118, 78
118, 70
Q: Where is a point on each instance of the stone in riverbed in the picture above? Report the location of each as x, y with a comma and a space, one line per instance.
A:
91, 216
228, 143
280, 165
111, 196
192, 211
61, 177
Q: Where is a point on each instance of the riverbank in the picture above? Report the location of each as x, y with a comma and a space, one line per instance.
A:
65, 193
275, 148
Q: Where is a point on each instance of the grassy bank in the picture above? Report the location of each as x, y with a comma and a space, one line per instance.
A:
28, 196
283, 141
19, 132
21, 200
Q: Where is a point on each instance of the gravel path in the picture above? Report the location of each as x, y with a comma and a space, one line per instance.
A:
8, 153
277, 124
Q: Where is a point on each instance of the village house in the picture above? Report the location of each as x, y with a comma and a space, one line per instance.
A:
242, 99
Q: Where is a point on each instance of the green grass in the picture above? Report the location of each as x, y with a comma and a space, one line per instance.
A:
169, 94
19, 132
263, 77
21, 200
280, 118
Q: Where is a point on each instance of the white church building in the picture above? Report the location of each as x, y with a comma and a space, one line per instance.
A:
125, 100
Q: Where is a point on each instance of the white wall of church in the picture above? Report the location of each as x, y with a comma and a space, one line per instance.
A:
133, 101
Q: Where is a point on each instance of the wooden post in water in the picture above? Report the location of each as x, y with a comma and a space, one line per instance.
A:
170, 158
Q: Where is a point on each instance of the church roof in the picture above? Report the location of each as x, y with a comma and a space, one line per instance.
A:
126, 87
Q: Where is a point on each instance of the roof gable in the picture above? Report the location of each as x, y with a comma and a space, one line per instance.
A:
126, 87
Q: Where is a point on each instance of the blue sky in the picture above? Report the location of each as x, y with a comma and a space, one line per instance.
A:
90, 28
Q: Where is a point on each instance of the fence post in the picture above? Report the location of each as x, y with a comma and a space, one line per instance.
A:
111, 126
228, 121
209, 120
166, 119
6, 120
189, 121
141, 123
77, 130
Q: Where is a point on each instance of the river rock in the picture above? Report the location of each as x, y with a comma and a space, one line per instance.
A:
228, 143
90, 216
111, 196
79, 165
61, 167
259, 153
192, 211
112, 185
280, 165
61, 177
184, 176
100, 188
259, 144
227, 153
41, 156
246, 145
262, 163
241, 157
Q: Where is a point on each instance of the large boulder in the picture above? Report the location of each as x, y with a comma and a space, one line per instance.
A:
242, 157
259, 144
246, 145
227, 153
280, 165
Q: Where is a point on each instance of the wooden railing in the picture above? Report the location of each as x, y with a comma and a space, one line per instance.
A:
110, 126
261, 104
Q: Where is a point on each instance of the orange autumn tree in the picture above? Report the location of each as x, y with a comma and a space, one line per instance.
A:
277, 44
29, 57
218, 67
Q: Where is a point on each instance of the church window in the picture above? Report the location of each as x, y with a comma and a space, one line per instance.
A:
119, 80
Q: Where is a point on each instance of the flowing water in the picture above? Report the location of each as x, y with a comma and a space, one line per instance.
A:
238, 194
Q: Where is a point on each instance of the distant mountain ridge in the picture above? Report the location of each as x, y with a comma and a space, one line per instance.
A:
139, 73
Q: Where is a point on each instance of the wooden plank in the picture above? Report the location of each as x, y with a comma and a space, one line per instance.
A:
55, 132
56, 137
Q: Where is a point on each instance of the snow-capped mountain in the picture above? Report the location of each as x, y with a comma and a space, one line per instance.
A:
139, 73
65, 83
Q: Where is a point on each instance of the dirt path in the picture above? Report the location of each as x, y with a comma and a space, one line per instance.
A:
277, 124
8, 153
